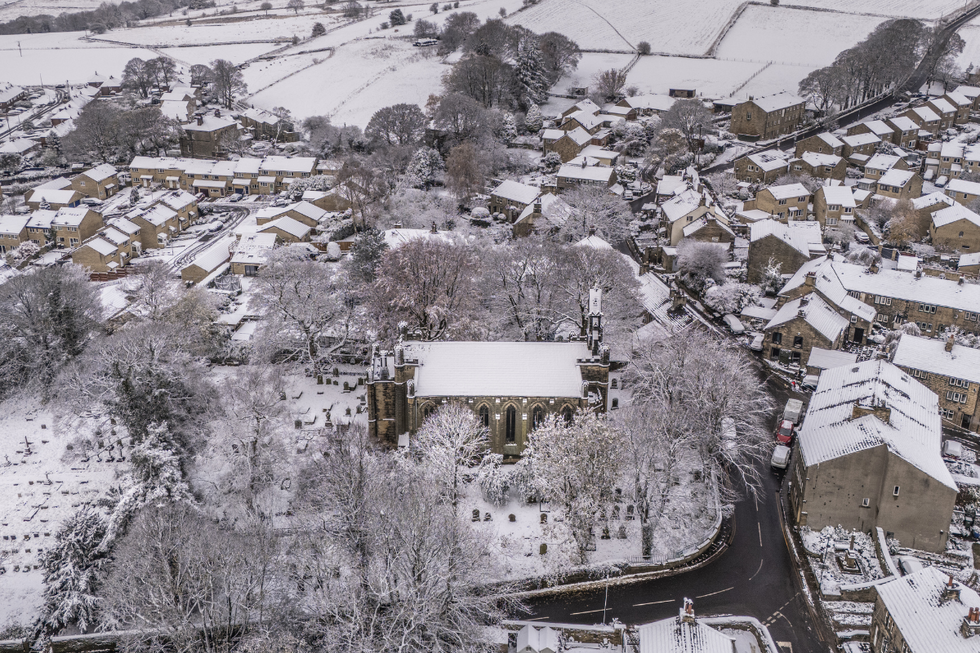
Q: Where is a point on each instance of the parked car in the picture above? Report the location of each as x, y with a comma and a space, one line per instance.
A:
784, 433
952, 449
780, 457
734, 324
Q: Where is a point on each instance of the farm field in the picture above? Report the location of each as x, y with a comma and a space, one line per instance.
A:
763, 34
590, 64
207, 53
921, 9
971, 52
710, 77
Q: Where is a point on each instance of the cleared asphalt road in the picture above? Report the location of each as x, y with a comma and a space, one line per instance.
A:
754, 577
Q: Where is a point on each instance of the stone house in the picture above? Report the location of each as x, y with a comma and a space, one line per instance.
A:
285, 169
762, 167
11, 96
572, 175
925, 612
411, 382
906, 131
13, 232
971, 93
183, 204
951, 371
590, 122
547, 214
265, 125
951, 159
962, 104
969, 265
205, 136
100, 182
158, 224
963, 191
834, 205
879, 128
772, 240
955, 228
207, 263
800, 325
97, 255
39, 227
820, 166
304, 212
879, 164
858, 148
926, 205
511, 198
785, 202
946, 111
72, 226
683, 634
52, 198
251, 254
767, 117
586, 106
649, 105
709, 228
822, 143
868, 456
568, 144
686, 209
926, 119
900, 184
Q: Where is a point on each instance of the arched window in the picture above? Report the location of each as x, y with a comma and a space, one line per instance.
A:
537, 416
485, 416
511, 424
615, 403
615, 384
427, 411
567, 414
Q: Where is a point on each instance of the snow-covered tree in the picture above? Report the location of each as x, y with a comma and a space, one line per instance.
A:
493, 481
596, 211
73, 569
424, 168
772, 277
451, 442
731, 297
697, 262
576, 466
530, 76
533, 120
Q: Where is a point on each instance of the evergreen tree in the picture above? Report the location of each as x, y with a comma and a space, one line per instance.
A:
423, 168
368, 250
530, 77
533, 121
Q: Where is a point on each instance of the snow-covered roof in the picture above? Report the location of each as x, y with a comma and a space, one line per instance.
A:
907, 262
18, 146
58, 183
879, 127
395, 238
598, 152
882, 162
588, 173
248, 165
927, 619
859, 140
677, 635
816, 159
478, 369
579, 136
824, 359
966, 260
904, 123
827, 282
516, 192
942, 106
306, 209
13, 224
816, 312
157, 215
778, 101
795, 238
968, 91
957, 98
952, 150
651, 102
930, 355
43, 218
769, 160
924, 289
551, 134
101, 172
584, 105
8, 94
895, 177
830, 139
593, 242
963, 186
954, 213
932, 199
535, 639
670, 184
53, 196
788, 191
553, 209
839, 194
913, 430
211, 258
115, 236
70, 217
682, 204
103, 247
288, 164
288, 225
254, 248
124, 225
210, 123
587, 119
926, 114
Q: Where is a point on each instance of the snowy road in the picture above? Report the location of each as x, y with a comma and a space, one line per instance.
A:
754, 577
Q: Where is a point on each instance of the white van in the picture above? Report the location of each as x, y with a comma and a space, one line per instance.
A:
952, 449
780, 457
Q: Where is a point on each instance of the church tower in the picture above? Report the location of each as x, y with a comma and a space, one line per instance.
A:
594, 330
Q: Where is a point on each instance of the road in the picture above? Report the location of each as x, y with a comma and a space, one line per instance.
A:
238, 212
754, 577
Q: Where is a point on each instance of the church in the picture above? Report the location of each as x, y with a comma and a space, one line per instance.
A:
511, 386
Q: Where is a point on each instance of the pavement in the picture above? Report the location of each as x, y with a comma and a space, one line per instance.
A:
755, 577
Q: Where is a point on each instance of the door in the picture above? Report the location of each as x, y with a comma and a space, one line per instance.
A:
858, 335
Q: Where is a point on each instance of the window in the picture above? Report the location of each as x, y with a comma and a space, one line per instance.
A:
959, 383
961, 234
537, 416
485, 416
881, 318
831, 222
781, 202
956, 397
927, 308
848, 209
833, 207
615, 403
865, 503
511, 430
896, 491
615, 384
887, 301
919, 374
774, 354
427, 411
777, 338
797, 341
567, 414
945, 413
802, 199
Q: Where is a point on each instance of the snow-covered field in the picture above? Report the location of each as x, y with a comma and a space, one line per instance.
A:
207, 53
591, 64
971, 51
922, 9
793, 36
710, 77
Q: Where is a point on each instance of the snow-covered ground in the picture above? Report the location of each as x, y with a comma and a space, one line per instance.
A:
710, 77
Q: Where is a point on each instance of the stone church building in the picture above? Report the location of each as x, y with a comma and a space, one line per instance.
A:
511, 386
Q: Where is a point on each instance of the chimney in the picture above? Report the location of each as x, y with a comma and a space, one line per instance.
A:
873, 268
971, 623
951, 591
434, 230
687, 612
200, 120
950, 343
217, 113
811, 279
879, 409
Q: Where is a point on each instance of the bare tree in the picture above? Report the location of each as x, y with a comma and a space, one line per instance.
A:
608, 84
561, 55
464, 172
400, 124
697, 262
461, 117
228, 82
200, 75
138, 76
599, 212
451, 442
691, 118
295, 5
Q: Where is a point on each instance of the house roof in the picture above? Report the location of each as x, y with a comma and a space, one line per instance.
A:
879, 127
584, 105
18, 146
952, 150
927, 620
815, 311
795, 238
103, 247
579, 136
973, 258
857, 140
288, 225
904, 123
651, 102
537, 639
178, 199
895, 177
587, 119
43, 218
778, 101
100, 172
598, 152
306, 209
486, 369
817, 159
395, 238
115, 236
828, 283
124, 225
839, 194
926, 114
210, 123
942, 105
913, 431
71, 217
248, 165
551, 134
590, 173
676, 635
882, 162
830, 139
212, 258
968, 91
932, 199
954, 213
670, 184
58, 183
288, 164
516, 192
957, 98
930, 355
824, 359
788, 191
157, 215
682, 204
892, 283
770, 160
254, 248
53, 196
963, 186
553, 209
13, 224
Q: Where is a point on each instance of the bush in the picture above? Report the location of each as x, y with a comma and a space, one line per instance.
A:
643, 48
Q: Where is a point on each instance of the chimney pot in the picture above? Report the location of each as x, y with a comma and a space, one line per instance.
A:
949, 345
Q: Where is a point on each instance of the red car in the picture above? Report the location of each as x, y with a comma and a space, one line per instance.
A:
785, 431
